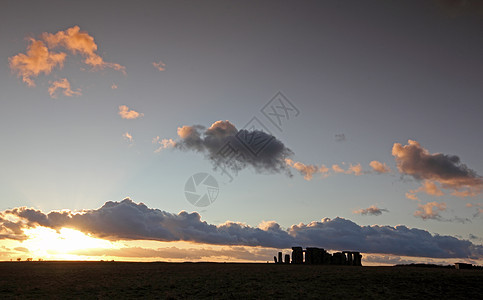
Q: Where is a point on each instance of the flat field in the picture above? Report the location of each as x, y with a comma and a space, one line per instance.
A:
105, 280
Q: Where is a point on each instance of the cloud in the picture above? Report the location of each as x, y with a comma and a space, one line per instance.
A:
430, 210
372, 210
37, 60
411, 196
379, 167
129, 114
163, 143
414, 160
339, 137
161, 66
41, 59
21, 249
127, 220
431, 188
337, 169
427, 187
64, 85
113, 86
127, 137
306, 170
80, 42
353, 169
227, 147
478, 207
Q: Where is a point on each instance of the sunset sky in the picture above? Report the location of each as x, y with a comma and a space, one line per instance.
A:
367, 116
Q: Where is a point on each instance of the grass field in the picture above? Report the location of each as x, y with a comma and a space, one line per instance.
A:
102, 280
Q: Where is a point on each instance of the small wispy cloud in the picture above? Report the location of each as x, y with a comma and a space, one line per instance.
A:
307, 171
127, 136
163, 144
339, 137
379, 167
64, 85
430, 210
129, 114
114, 86
161, 66
372, 210
352, 169
428, 187
478, 207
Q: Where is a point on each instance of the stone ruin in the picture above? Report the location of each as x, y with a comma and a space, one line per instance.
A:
318, 256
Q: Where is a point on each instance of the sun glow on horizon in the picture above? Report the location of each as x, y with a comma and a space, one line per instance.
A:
48, 243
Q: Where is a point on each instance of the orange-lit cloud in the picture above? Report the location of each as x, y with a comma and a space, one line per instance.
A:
129, 114
37, 60
113, 86
163, 143
430, 210
306, 170
447, 170
427, 187
411, 196
161, 66
353, 169
40, 59
127, 136
63, 84
379, 167
80, 42
337, 169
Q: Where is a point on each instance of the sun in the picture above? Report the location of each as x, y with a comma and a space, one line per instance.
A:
47, 243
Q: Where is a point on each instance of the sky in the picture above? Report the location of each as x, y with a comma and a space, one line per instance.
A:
231, 130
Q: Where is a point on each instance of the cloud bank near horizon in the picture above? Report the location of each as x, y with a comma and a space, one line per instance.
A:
127, 220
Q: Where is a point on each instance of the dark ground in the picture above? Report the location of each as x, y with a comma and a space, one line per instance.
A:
94, 280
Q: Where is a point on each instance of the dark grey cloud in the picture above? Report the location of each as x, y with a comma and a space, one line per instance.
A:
227, 147
339, 137
127, 220
372, 210
414, 160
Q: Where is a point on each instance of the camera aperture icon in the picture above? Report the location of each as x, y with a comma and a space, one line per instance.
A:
201, 189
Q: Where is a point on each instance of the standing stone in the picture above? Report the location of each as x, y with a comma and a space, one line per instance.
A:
287, 258
297, 255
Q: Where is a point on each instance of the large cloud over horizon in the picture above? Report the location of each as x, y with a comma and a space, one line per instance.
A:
127, 220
